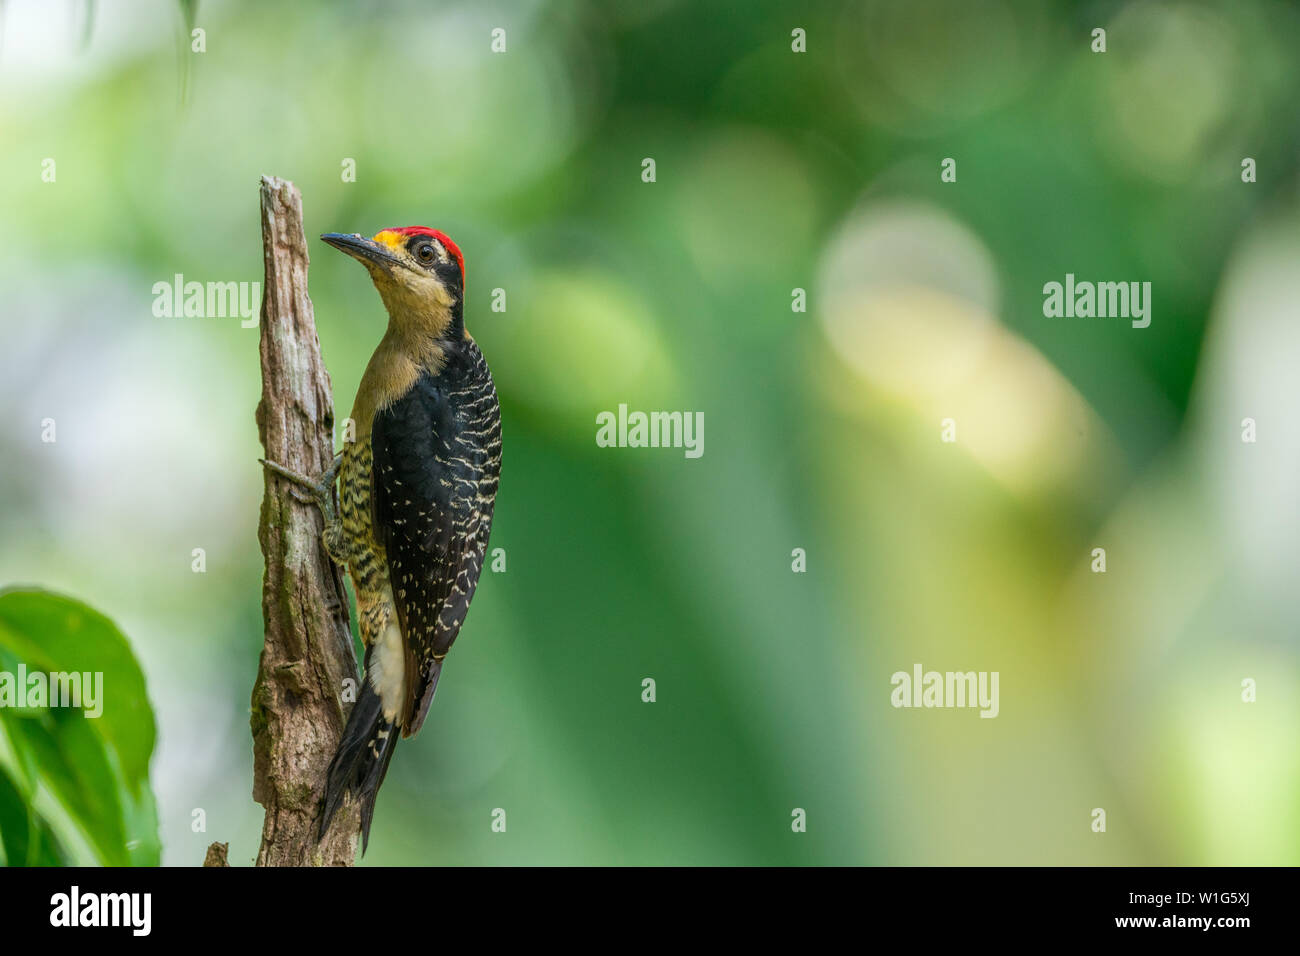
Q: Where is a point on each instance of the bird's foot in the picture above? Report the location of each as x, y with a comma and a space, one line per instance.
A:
320, 490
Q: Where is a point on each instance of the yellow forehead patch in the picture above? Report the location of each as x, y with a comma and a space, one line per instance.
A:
390, 239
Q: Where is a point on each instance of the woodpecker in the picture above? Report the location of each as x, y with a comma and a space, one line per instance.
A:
416, 492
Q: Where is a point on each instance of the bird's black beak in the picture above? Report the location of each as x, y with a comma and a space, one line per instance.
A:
363, 249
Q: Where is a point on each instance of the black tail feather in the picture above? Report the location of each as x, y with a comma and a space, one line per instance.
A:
361, 761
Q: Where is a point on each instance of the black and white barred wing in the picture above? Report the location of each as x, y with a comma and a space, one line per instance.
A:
429, 515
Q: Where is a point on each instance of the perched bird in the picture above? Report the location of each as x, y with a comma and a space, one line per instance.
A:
415, 498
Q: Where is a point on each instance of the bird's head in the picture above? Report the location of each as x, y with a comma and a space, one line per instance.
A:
419, 272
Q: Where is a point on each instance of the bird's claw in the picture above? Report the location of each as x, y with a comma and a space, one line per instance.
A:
321, 491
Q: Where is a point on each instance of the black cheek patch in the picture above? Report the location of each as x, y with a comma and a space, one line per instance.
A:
449, 273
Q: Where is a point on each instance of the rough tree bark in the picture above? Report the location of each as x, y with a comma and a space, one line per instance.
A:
217, 855
297, 715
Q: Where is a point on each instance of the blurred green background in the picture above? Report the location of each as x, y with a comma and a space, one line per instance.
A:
776, 170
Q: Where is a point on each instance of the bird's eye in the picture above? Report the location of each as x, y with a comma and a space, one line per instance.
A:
424, 252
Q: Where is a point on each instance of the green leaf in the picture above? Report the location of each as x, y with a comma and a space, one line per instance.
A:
56, 633
25, 839
190, 16
82, 779
190, 12
17, 827
73, 766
